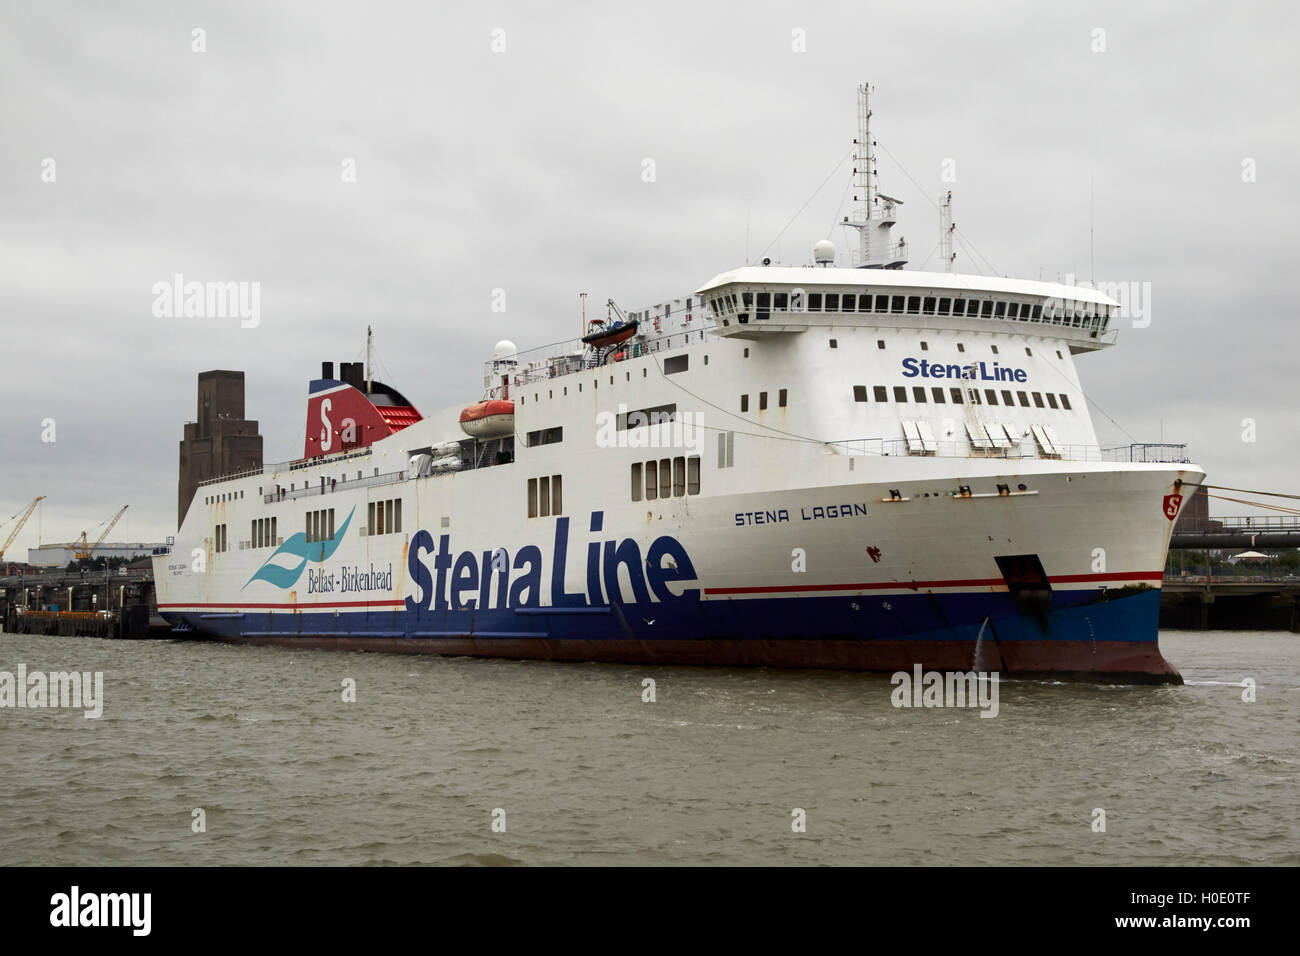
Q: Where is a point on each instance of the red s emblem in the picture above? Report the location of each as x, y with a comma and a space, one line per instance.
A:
1172, 504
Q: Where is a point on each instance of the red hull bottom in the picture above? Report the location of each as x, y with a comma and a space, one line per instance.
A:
1104, 661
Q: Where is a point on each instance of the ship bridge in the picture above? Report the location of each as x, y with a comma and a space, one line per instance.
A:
757, 301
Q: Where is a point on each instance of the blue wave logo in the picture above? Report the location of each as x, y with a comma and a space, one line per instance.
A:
299, 547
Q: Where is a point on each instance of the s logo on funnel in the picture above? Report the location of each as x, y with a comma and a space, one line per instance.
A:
299, 547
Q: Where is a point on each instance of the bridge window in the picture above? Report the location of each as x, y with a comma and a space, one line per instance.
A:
881, 393
913, 304
972, 308
780, 300
959, 307
944, 306
882, 303
1037, 313
832, 301
896, 304
1013, 310
986, 309
928, 307
814, 301
1000, 310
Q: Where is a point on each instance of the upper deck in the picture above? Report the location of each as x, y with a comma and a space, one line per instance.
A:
754, 301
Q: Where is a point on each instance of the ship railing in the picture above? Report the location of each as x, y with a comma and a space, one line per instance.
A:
333, 486
229, 477
902, 447
568, 357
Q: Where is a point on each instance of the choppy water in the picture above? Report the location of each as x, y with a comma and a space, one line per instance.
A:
587, 773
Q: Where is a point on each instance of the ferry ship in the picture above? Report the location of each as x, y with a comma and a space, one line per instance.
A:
847, 467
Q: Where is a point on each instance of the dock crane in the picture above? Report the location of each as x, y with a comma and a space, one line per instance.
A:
82, 551
19, 526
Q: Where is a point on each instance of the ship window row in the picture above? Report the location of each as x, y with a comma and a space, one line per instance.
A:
263, 533
546, 436
319, 524
545, 496
958, 396
382, 517
666, 478
782, 400
227, 496
219, 542
760, 305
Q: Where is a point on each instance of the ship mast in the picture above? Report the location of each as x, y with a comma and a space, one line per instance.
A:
875, 213
946, 228
369, 350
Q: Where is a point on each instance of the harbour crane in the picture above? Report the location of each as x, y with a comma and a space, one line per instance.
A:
83, 551
19, 526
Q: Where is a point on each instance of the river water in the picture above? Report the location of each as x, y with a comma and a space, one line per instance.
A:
582, 770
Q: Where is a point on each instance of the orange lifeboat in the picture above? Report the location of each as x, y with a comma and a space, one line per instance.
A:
494, 418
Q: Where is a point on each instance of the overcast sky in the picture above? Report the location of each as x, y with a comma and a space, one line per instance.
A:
522, 169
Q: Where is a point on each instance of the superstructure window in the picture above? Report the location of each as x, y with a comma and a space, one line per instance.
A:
896, 304
944, 305
913, 304
937, 392
814, 301
990, 396
1024, 399
651, 480
881, 393
665, 477
1051, 400
1038, 399
1065, 401
882, 303
546, 436
956, 395
636, 481
762, 401
1006, 397
972, 308
832, 301
928, 306
959, 307
986, 309
900, 393
1001, 310
744, 403
918, 393
781, 398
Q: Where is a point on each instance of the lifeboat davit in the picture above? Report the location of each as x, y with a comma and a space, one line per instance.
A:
494, 418
604, 337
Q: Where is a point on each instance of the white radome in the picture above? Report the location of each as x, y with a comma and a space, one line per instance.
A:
504, 351
824, 251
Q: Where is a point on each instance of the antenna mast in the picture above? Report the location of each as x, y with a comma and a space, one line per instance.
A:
875, 212
369, 349
946, 228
